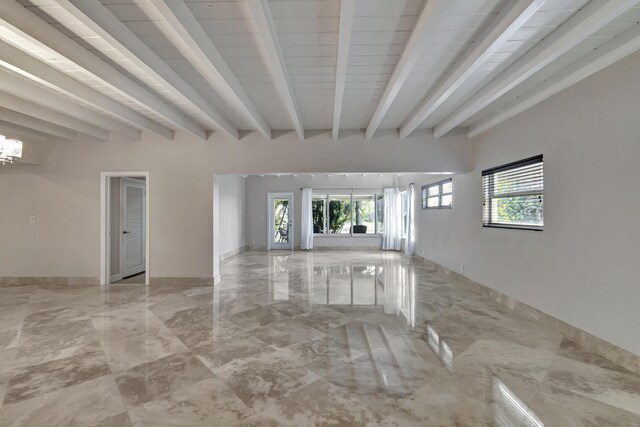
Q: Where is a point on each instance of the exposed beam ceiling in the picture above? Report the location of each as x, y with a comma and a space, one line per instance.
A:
53, 102
101, 21
36, 124
12, 130
32, 28
427, 22
36, 70
96, 67
581, 25
272, 53
46, 114
347, 11
605, 55
498, 32
184, 30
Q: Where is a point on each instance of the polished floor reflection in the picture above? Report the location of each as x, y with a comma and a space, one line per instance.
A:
297, 339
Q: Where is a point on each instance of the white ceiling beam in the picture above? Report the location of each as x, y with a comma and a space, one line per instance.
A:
581, 25
35, 123
184, 30
499, 31
28, 25
347, 11
46, 114
106, 25
11, 130
19, 88
427, 22
28, 66
607, 54
272, 53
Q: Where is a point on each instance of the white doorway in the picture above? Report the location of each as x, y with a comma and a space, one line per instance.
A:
124, 228
280, 212
132, 227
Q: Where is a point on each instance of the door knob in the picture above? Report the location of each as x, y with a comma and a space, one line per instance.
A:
126, 232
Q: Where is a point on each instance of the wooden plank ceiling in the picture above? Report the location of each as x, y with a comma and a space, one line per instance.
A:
236, 66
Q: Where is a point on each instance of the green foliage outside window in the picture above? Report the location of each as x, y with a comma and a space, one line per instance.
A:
525, 209
281, 221
520, 210
317, 214
333, 214
339, 213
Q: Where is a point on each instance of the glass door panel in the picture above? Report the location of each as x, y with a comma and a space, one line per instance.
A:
280, 223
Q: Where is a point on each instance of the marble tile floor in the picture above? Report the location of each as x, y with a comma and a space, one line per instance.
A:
297, 339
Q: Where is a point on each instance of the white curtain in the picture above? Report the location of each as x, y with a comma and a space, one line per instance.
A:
306, 223
411, 234
392, 233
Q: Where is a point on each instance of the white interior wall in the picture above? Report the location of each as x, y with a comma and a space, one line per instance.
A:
63, 191
232, 212
581, 268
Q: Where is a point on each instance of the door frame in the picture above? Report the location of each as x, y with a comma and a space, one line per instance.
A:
105, 222
122, 221
270, 197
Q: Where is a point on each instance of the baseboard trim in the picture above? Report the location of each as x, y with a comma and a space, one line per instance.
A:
49, 281
317, 248
233, 253
216, 279
347, 248
597, 345
184, 281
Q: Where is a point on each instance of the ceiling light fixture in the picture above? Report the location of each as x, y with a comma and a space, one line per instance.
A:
10, 150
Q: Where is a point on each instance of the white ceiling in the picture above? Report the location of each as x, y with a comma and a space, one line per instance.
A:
307, 33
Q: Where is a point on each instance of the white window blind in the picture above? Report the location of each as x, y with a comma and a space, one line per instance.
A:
513, 195
438, 195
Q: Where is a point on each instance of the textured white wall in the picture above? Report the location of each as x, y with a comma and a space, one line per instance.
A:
63, 192
232, 212
582, 267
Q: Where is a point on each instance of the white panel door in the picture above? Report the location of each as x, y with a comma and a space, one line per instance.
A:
133, 256
280, 216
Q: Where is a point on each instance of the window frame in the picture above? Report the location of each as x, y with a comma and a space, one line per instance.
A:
424, 194
491, 172
327, 194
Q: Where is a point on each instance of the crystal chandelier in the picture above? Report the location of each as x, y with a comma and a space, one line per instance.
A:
10, 150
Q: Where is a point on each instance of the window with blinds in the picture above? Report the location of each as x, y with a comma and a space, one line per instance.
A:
513, 195
438, 195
